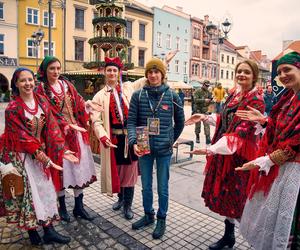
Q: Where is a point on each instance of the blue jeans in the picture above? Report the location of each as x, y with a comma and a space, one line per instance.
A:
162, 174
218, 107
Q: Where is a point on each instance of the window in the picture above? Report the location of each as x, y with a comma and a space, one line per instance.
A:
185, 67
168, 41
231, 75
32, 16
159, 39
176, 66
204, 70
196, 34
227, 74
79, 19
142, 32
79, 50
185, 45
129, 29
213, 72
195, 69
1, 11
222, 73
227, 59
129, 55
31, 49
141, 58
46, 48
232, 60
177, 43
1, 44
222, 58
46, 19
196, 51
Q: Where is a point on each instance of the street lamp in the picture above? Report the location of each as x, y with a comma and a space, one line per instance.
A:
51, 4
37, 37
214, 30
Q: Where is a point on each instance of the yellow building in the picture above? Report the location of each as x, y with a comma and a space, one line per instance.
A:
139, 31
31, 18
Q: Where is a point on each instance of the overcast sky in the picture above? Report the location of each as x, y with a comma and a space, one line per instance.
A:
260, 24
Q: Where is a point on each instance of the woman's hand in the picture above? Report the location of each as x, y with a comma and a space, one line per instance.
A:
247, 166
93, 106
252, 114
195, 118
77, 128
53, 165
108, 143
69, 155
137, 151
197, 152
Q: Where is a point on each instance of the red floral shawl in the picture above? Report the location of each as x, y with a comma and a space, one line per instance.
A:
282, 132
18, 138
79, 113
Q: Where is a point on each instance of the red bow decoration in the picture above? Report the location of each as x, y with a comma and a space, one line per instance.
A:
116, 61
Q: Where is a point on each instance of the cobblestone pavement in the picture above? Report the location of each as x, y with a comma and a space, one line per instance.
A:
186, 227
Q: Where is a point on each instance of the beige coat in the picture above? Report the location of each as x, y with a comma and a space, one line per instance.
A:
100, 121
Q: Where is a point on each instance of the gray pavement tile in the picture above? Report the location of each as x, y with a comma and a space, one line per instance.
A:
115, 232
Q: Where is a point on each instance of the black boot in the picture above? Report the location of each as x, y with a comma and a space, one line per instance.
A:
79, 209
117, 205
160, 228
128, 197
34, 237
197, 138
50, 235
63, 213
146, 220
227, 240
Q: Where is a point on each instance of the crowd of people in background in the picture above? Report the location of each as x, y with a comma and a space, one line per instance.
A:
252, 161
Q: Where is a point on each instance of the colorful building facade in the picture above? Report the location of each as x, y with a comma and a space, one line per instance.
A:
33, 17
172, 31
8, 42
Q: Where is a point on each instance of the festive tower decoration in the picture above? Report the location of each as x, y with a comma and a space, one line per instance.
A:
109, 34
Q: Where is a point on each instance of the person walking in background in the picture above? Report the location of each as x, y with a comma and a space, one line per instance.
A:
181, 96
219, 94
271, 217
70, 109
202, 100
234, 143
155, 106
269, 98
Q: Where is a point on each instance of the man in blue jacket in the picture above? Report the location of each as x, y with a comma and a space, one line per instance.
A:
160, 109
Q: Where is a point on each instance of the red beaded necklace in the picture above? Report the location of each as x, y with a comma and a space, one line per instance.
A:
31, 111
59, 95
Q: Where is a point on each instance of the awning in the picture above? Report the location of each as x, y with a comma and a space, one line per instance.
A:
195, 84
179, 85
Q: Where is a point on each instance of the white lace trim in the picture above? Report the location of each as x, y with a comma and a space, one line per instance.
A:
267, 220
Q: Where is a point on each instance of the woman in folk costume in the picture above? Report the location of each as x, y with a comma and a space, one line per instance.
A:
31, 146
234, 143
271, 217
70, 108
119, 165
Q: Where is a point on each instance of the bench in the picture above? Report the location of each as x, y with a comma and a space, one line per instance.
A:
181, 141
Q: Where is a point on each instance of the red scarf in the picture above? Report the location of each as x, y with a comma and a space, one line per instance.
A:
282, 132
113, 107
18, 138
79, 112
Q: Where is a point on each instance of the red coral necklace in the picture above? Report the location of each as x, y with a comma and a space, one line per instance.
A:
33, 110
59, 95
